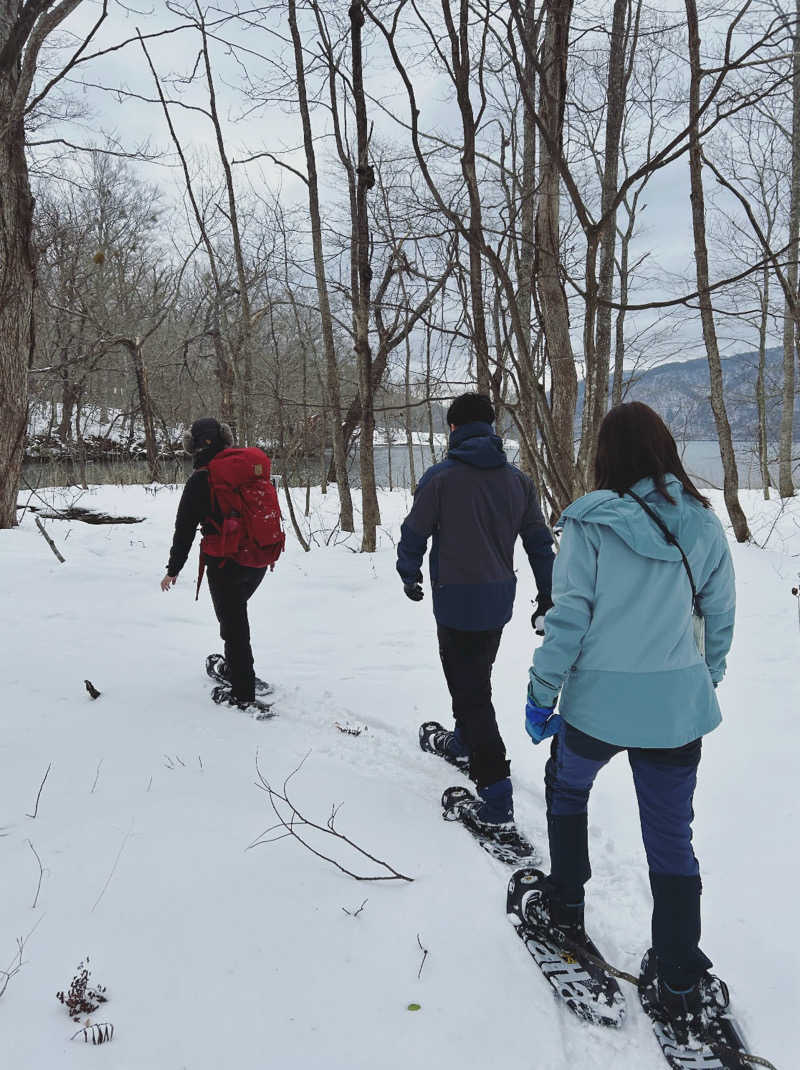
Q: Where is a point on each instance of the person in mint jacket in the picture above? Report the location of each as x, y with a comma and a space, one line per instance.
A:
621, 657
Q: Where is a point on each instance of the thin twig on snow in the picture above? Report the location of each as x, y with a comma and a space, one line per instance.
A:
296, 819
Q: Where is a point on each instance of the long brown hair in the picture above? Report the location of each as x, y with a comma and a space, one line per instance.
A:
634, 442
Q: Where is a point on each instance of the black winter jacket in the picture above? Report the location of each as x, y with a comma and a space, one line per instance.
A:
194, 509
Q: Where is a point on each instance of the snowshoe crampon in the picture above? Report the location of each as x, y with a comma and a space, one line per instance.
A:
711, 1041
258, 710
217, 669
586, 988
432, 738
504, 842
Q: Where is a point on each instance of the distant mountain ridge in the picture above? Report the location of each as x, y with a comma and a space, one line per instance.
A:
680, 393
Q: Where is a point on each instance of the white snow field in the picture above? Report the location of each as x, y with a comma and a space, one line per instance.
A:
217, 956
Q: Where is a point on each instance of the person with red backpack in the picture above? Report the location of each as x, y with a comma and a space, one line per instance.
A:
229, 494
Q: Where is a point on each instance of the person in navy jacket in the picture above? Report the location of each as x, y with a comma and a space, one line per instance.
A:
474, 505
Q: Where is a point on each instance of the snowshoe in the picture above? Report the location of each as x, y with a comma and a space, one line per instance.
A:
695, 1032
557, 942
434, 738
502, 841
223, 696
217, 669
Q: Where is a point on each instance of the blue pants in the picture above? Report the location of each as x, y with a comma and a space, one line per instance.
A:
665, 781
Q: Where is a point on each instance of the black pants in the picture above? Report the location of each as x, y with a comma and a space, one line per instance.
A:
467, 660
231, 585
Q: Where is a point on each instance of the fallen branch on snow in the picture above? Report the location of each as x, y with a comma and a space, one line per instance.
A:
39, 793
13, 967
49, 541
288, 825
41, 875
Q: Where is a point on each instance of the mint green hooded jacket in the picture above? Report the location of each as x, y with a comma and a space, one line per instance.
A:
619, 643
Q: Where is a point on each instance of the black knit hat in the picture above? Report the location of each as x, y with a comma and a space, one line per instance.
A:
207, 433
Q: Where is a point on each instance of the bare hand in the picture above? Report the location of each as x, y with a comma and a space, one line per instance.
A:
168, 581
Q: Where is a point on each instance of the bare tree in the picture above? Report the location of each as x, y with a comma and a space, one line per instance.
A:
24, 29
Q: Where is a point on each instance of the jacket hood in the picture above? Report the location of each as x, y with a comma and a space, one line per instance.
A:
478, 445
630, 522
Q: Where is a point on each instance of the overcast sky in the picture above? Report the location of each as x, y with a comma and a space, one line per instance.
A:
666, 222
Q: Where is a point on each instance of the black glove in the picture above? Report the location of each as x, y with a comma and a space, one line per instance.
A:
414, 591
540, 607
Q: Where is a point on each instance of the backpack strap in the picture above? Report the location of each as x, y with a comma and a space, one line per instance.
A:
671, 539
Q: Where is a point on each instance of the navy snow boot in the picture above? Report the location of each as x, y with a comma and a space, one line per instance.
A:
543, 909
435, 739
492, 813
689, 1011
497, 806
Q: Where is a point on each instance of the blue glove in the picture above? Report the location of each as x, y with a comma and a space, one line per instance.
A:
541, 721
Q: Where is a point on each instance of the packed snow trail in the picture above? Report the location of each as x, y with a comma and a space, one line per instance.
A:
215, 955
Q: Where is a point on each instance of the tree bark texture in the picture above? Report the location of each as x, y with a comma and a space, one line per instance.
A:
331, 365
17, 282
599, 287
552, 297
790, 331
763, 458
361, 301
731, 474
461, 73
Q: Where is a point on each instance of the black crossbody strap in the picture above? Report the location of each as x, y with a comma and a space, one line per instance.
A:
670, 539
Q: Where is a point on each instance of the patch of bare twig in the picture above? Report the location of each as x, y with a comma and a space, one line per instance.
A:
96, 776
355, 913
13, 967
16, 963
290, 820
39, 792
49, 541
424, 951
125, 839
41, 875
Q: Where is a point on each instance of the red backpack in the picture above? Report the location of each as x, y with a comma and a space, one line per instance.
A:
251, 532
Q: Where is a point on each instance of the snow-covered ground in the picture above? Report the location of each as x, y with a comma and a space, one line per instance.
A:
215, 955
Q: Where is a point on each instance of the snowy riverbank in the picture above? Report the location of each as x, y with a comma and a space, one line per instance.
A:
214, 955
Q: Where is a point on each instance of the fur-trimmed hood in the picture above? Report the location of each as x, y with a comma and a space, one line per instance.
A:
207, 432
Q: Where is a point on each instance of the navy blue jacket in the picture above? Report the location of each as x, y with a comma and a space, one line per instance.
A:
474, 504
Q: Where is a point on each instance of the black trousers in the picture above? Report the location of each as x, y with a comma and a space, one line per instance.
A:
231, 585
467, 660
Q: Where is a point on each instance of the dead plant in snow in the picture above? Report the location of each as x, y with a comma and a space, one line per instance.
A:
81, 997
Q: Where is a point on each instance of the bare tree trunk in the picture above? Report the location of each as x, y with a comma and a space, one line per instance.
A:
409, 435
460, 53
370, 512
525, 369
134, 347
23, 30
619, 327
323, 438
69, 395
731, 474
428, 404
334, 392
17, 286
785, 480
598, 350
763, 459
552, 298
